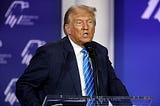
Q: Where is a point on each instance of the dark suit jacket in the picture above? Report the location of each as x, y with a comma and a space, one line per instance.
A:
53, 71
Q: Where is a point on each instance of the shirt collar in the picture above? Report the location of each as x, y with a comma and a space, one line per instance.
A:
76, 47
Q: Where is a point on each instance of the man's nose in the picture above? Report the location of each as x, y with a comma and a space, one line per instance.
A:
85, 26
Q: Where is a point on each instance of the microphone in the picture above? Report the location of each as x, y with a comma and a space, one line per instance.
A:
92, 54
90, 49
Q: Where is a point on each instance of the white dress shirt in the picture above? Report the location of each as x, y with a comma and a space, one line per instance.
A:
79, 58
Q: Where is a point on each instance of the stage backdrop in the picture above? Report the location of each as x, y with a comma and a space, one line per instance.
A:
137, 46
26, 25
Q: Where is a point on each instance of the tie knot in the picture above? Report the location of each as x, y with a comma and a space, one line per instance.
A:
84, 51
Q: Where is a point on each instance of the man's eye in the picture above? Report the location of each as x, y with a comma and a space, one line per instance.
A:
90, 22
78, 22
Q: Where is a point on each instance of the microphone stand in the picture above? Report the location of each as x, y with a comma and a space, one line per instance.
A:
96, 77
92, 54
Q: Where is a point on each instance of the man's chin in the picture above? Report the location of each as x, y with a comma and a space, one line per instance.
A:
87, 40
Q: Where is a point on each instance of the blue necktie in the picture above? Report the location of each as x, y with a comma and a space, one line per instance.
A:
88, 76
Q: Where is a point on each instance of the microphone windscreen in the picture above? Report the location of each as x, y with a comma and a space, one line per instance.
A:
90, 49
88, 44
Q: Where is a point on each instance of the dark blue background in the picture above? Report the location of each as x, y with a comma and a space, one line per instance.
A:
47, 28
136, 44
137, 51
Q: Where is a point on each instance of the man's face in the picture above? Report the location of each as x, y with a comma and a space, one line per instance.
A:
81, 27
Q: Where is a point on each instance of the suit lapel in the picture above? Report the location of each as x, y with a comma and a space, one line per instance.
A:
71, 64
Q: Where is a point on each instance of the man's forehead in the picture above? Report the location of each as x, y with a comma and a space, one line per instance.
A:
83, 15
83, 18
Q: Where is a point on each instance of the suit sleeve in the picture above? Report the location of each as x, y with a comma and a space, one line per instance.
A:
116, 87
30, 82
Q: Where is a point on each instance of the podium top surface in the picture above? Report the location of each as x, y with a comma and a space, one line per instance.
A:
68, 100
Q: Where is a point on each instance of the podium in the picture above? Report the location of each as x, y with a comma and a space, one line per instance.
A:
61, 100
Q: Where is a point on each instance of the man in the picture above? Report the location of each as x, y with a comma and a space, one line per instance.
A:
57, 68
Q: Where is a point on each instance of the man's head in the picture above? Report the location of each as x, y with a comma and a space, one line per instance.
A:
79, 24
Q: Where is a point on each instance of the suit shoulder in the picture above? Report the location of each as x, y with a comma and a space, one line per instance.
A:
50, 47
99, 46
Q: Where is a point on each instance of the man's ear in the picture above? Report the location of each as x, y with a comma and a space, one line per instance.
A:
68, 29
